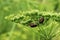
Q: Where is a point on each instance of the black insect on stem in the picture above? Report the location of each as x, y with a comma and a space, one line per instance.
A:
41, 20
32, 25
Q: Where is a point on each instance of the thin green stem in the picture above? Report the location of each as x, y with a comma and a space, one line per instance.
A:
12, 29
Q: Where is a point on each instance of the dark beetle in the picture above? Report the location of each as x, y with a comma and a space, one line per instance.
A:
41, 20
32, 25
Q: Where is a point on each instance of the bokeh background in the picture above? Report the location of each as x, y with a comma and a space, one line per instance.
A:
8, 7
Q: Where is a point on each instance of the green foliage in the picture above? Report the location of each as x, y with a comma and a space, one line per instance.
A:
47, 31
14, 7
32, 16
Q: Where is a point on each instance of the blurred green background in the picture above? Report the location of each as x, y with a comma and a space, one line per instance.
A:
8, 7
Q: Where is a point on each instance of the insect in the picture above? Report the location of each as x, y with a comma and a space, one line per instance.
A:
32, 25
41, 20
